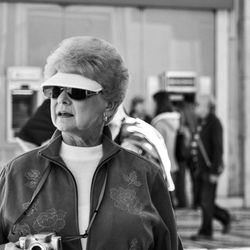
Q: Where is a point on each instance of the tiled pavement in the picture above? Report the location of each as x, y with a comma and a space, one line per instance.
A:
188, 222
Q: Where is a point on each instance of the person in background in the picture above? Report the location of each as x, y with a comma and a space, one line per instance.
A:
189, 122
137, 109
207, 156
167, 122
186, 108
81, 184
38, 129
182, 143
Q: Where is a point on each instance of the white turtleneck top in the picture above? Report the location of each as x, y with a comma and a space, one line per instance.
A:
82, 162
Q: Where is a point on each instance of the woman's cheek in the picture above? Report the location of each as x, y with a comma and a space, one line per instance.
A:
53, 118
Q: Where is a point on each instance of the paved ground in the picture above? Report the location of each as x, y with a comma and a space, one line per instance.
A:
188, 222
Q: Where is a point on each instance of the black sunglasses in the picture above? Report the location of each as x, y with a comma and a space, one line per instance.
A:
73, 93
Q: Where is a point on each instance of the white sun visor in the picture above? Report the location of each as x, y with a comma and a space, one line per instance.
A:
72, 81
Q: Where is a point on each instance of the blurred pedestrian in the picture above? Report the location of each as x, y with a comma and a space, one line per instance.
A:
167, 122
182, 156
207, 154
190, 119
137, 109
186, 107
81, 185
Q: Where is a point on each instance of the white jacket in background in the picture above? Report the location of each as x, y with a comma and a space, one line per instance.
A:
167, 124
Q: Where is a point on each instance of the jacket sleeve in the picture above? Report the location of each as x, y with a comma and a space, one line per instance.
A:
217, 146
161, 200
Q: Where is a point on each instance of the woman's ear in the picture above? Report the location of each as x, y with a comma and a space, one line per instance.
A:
111, 107
110, 110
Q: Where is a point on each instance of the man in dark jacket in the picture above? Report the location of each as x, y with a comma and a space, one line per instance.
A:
207, 151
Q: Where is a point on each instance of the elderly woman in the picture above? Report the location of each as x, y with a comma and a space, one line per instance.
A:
82, 186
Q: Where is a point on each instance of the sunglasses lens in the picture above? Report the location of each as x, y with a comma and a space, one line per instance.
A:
51, 91
75, 94
56, 91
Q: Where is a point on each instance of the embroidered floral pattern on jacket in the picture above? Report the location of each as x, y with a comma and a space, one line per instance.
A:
33, 177
22, 229
132, 179
134, 245
126, 200
50, 221
32, 209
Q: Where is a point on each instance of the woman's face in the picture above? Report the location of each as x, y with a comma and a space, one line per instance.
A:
202, 107
78, 117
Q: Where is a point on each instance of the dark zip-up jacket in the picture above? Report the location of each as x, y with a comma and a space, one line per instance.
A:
211, 136
135, 211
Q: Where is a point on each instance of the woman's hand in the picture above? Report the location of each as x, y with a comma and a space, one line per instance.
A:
10, 246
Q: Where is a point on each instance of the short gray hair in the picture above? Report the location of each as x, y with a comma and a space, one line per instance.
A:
95, 59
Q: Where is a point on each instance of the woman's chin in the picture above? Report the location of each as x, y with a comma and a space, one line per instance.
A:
64, 127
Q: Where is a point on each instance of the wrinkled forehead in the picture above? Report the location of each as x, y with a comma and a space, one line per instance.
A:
72, 81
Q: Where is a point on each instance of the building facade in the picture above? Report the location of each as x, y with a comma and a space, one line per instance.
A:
153, 36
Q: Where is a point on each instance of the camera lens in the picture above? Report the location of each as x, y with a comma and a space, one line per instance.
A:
36, 247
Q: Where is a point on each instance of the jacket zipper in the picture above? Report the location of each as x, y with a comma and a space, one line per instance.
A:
76, 190
92, 187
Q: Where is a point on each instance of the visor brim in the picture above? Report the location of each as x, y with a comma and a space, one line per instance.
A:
72, 81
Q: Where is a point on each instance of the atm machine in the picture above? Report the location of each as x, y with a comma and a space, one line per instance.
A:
181, 85
23, 97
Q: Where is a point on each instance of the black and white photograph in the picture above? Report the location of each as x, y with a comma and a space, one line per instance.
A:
125, 124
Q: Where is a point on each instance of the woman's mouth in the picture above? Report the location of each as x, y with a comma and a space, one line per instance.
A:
64, 114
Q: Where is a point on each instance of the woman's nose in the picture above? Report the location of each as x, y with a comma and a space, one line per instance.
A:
63, 97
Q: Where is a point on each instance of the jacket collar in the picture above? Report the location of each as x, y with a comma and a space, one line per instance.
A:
52, 149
